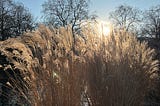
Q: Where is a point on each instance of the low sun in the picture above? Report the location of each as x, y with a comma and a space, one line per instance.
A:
104, 28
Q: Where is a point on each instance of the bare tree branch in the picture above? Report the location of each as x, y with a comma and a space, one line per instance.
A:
125, 17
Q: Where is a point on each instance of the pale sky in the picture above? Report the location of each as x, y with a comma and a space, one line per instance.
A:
100, 7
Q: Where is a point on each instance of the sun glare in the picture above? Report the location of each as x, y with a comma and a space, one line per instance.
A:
104, 28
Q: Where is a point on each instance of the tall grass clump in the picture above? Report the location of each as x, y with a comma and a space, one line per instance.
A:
58, 72
15, 73
121, 72
114, 70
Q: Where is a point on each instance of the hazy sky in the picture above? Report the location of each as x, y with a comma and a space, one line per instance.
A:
100, 7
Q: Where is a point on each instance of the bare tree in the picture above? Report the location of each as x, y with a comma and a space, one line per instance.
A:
23, 19
14, 19
5, 8
65, 12
125, 17
151, 20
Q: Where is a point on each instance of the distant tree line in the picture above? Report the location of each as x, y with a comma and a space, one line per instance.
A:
58, 13
14, 19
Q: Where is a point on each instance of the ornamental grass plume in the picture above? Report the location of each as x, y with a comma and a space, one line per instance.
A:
114, 70
122, 72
